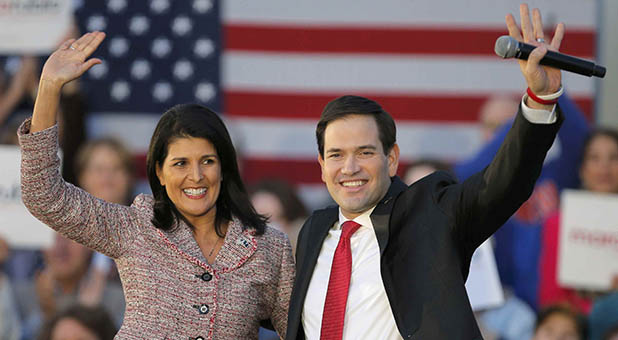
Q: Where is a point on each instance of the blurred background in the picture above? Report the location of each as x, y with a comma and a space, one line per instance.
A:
269, 67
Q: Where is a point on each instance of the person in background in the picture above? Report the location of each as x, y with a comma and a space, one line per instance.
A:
78, 322
559, 323
279, 201
423, 167
598, 173
60, 284
103, 167
10, 326
518, 242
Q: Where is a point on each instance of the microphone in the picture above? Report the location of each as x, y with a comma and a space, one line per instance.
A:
508, 47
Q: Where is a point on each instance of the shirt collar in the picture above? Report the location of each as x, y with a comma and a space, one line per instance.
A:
363, 219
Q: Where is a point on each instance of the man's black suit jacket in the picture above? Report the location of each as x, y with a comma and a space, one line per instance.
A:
427, 233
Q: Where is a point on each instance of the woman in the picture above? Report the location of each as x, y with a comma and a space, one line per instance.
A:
195, 260
559, 323
598, 173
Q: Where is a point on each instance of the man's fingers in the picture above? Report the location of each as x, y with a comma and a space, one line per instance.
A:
535, 57
537, 23
558, 35
511, 24
526, 26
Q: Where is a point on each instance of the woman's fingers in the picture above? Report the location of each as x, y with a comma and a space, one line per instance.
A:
66, 44
93, 43
88, 64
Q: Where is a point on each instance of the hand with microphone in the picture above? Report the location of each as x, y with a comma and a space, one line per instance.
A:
507, 47
542, 80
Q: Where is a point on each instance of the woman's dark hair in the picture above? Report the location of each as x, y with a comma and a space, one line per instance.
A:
355, 105
578, 320
293, 207
598, 132
96, 319
192, 120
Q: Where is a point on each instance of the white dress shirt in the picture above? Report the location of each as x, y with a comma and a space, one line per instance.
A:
368, 313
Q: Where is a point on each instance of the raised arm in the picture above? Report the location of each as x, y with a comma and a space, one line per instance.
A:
487, 199
68, 62
106, 227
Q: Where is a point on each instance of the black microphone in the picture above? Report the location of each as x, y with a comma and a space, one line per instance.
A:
508, 47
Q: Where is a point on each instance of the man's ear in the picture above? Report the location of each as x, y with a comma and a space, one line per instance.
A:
393, 160
321, 161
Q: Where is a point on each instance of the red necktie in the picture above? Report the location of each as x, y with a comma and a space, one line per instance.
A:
338, 285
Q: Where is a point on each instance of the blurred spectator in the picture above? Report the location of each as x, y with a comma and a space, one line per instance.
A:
599, 173
559, 323
78, 322
279, 201
495, 112
103, 167
9, 321
21, 88
603, 318
423, 167
58, 285
518, 241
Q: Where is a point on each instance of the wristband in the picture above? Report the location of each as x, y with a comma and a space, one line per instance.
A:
549, 99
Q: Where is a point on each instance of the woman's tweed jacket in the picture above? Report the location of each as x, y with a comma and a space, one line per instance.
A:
171, 291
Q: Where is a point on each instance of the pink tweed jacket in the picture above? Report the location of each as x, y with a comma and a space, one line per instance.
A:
171, 291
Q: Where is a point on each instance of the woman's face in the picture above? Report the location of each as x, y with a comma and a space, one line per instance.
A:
599, 171
191, 175
104, 175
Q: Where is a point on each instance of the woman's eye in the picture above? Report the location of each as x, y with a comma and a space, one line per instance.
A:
209, 161
179, 163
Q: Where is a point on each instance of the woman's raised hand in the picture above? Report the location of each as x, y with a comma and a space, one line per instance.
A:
70, 60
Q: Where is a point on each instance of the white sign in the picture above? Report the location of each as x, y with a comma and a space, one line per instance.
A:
588, 251
483, 284
33, 26
17, 226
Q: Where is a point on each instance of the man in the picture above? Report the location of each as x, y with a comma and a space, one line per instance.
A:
391, 261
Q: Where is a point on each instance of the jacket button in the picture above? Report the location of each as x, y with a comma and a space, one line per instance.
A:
203, 309
199, 338
206, 276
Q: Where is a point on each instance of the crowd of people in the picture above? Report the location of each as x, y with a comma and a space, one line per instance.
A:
69, 291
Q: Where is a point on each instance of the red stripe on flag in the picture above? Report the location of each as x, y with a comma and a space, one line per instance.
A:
293, 171
309, 106
460, 41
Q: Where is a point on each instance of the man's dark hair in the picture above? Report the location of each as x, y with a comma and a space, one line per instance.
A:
355, 105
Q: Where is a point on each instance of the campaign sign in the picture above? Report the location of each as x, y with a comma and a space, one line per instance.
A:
483, 284
33, 26
17, 226
588, 249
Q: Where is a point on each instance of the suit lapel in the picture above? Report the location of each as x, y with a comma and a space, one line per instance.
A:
381, 214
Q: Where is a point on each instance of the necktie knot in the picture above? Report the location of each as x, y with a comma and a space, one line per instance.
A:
348, 228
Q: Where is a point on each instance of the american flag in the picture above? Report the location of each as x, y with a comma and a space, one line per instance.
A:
269, 66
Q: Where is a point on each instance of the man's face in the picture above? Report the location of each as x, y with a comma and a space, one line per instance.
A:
354, 167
